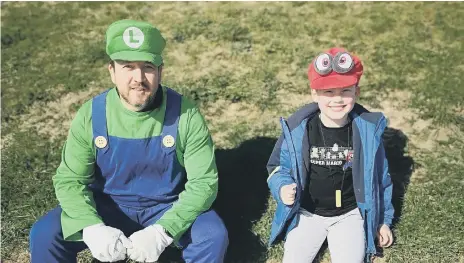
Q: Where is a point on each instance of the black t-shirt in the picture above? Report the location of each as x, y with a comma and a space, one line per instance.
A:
331, 148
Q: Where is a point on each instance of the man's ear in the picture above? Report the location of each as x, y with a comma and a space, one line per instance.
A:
160, 73
112, 73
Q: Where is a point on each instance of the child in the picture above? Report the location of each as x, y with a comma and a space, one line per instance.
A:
328, 170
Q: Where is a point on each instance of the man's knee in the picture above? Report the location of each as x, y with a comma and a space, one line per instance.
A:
219, 236
45, 230
207, 240
38, 233
210, 228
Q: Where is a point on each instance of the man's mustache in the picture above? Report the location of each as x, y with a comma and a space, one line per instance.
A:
142, 85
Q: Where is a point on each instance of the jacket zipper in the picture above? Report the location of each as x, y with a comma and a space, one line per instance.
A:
285, 127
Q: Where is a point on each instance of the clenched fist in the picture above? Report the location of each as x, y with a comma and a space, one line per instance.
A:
287, 194
385, 236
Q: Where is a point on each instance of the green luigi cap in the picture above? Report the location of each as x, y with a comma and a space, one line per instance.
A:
132, 40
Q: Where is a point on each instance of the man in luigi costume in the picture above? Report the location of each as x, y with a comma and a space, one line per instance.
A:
138, 171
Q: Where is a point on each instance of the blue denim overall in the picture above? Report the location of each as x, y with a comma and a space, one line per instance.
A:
136, 182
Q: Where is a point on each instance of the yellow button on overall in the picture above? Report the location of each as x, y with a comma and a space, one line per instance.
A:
100, 142
168, 141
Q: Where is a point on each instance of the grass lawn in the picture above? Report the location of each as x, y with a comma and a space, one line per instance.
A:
245, 65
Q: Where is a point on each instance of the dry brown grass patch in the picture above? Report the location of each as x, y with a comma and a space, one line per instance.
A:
53, 119
421, 133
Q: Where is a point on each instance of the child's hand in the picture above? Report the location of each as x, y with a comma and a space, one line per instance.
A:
287, 194
385, 236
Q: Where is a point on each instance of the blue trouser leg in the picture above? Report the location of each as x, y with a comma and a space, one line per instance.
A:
206, 241
46, 243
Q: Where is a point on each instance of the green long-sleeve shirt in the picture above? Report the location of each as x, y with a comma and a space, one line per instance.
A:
194, 148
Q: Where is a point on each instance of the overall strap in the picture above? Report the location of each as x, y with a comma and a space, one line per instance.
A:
99, 125
171, 118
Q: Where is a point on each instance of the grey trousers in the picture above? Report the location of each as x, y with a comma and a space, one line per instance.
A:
344, 233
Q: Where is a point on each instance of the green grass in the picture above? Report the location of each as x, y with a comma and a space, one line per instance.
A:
252, 56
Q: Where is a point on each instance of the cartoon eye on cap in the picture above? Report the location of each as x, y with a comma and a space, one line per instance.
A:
342, 62
323, 64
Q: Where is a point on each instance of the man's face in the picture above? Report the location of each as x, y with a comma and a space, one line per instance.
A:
336, 103
137, 82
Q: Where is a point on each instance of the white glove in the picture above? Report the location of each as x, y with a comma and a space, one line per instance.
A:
148, 244
106, 243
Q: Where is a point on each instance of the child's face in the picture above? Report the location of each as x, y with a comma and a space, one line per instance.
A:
336, 103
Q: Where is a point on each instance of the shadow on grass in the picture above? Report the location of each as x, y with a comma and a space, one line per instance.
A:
242, 199
400, 167
243, 196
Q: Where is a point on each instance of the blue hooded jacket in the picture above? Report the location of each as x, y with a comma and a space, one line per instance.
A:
289, 163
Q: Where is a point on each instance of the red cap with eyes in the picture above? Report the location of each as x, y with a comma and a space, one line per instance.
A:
335, 68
